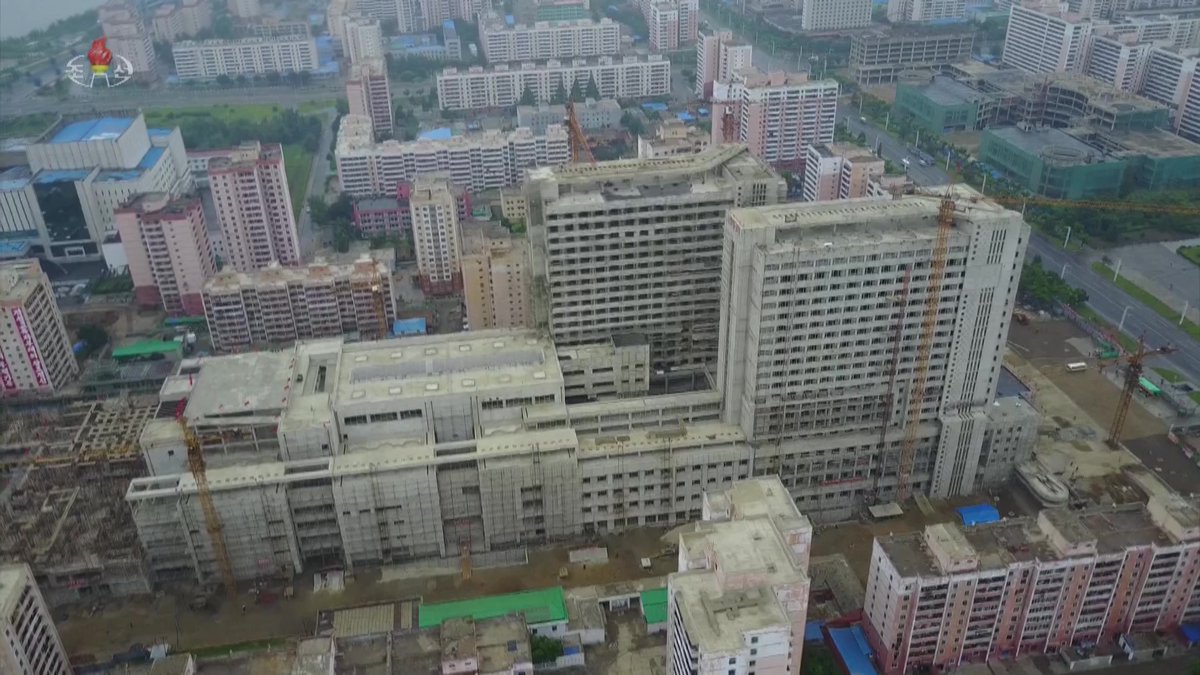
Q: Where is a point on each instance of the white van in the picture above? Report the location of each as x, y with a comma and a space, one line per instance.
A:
1076, 367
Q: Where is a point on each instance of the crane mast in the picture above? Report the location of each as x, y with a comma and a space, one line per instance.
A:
212, 521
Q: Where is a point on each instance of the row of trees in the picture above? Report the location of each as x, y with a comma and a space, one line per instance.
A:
578, 93
203, 130
1044, 289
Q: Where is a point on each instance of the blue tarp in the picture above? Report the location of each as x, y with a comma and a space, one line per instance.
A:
703, 112
979, 514
1191, 632
655, 107
812, 631
685, 117
851, 645
409, 327
439, 134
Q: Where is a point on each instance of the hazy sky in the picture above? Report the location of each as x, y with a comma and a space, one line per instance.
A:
18, 17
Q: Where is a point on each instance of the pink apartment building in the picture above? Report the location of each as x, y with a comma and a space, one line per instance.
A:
254, 207
368, 94
166, 244
718, 59
951, 595
777, 115
671, 23
839, 171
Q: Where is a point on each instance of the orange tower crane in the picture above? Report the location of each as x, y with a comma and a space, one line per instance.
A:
380, 311
581, 152
212, 521
1134, 366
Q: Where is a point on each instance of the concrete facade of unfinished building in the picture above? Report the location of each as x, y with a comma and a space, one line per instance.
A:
31, 643
282, 304
797, 278
634, 246
254, 207
1050, 583
739, 601
35, 348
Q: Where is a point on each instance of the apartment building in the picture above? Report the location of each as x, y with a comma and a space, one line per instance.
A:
279, 305
748, 557
245, 9
435, 13
184, 19
63, 201
777, 115
718, 59
476, 161
254, 207
166, 245
603, 115
879, 57
452, 42
369, 95
663, 26
799, 277
502, 39
125, 27
921, 11
1172, 78
210, 59
672, 138
633, 246
833, 15
501, 86
391, 216
35, 348
31, 644
1045, 42
437, 239
839, 171
497, 276
362, 39
1065, 578
1117, 62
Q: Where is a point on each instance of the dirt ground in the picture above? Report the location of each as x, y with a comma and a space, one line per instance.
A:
1044, 344
164, 618
629, 650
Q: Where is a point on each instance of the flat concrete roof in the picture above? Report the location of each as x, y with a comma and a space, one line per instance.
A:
651, 169
1050, 144
12, 584
240, 384
18, 280
948, 91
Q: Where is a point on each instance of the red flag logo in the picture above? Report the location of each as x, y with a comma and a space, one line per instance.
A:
99, 56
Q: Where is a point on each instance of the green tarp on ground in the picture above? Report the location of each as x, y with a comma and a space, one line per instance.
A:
147, 348
542, 606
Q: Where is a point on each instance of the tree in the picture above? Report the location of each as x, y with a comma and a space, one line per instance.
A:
527, 97
343, 106
95, 338
593, 92
560, 94
632, 123
576, 91
544, 649
1042, 288
224, 80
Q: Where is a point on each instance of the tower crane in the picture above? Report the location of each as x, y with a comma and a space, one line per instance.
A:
1134, 366
212, 521
581, 152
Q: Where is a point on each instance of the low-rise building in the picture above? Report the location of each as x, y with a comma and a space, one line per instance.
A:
500, 86
672, 138
718, 59
603, 115
392, 216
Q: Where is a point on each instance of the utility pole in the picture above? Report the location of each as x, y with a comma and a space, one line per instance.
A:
1117, 272
1068, 237
1121, 325
1183, 314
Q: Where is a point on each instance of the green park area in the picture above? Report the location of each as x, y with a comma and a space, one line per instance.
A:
1148, 299
208, 128
1192, 253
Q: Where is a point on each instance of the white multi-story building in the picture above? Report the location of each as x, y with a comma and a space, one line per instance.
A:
834, 15
799, 277
478, 162
362, 39
167, 248
633, 246
128, 36
502, 86
254, 207
184, 19
277, 305
245, 9
437, 239
30, 644
1042, 42
880, 56
35, 349
497, 280
1172, 78
777, 115
839, 171
502, 41
920, 11
1117, 62
209, 59
747, 558
63, 201
369, 95
602, 115
719, 59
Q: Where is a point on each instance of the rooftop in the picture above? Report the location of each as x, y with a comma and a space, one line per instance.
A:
365, 268
546, 605
99, 129
1054, 145
1158, 143
233, 386
18, 279
949, 91
12, 583
554, 63
734, 158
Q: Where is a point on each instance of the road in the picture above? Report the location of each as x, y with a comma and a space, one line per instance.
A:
890, 147
1110, 302
310, 237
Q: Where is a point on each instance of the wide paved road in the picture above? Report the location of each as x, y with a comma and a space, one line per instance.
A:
127, 97
889, 146
1110, 301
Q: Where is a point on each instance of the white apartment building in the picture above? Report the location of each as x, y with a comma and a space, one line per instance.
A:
1172, 78
834, 15
167, 248
254, 207
63, 201
369, 95
602, 115
719, 59
497, 279
501, 86
502, 41
739, 602
279, 305
920, 11
478, 162
839, 171
1041, 42
777, 115
245, 9
209, 59
186, 18
1117, 62
128, 35
633, 247
35, 348
362, 39
30, 644
807, 350
663, 26
436, 236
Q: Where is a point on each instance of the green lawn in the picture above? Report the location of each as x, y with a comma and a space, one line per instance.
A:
1195, 396
25, 125
298, 163
1147, 299
1168, 375
1192, 253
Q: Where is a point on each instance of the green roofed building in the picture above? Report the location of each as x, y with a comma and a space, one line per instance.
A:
545, 610
147, 349
654, 609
